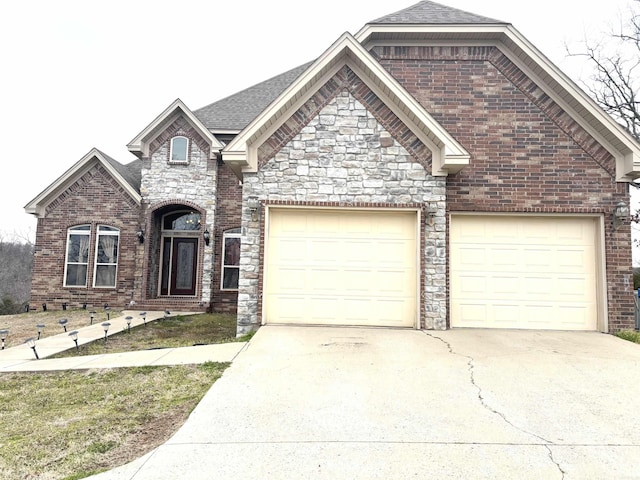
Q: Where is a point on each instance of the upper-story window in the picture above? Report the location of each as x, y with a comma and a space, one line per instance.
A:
106, 265
77, 260
179, 149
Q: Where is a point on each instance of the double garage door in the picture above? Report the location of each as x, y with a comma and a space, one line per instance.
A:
360, 267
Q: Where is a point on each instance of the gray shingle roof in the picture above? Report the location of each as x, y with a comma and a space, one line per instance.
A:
428, 13
131, 172
238, 110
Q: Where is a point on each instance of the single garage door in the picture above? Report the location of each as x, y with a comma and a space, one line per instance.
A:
341, 267
524, 272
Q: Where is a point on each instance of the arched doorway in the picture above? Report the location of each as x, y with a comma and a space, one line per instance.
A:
180, 237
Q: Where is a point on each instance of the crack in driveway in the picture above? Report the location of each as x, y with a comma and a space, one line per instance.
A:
471, 368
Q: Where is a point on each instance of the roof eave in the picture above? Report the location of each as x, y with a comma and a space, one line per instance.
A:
37, 206
139, 146
560, 88
347, 51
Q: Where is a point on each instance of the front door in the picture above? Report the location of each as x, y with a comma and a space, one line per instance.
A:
179, 266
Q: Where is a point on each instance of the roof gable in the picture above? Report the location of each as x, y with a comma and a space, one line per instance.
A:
430, 13
125, 176
140, 144
447, 154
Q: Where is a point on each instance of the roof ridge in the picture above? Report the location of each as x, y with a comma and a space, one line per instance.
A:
428, 12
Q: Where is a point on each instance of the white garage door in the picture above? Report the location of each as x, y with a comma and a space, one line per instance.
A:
341, 267
523, 272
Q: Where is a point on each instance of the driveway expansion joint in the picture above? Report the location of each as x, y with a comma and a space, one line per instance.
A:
471, 368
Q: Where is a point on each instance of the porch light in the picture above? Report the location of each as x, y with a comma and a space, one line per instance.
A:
31, 343
63, 323
128, 319
140, 235
254, 207
431, 210
74, 337
3, 337
207, 237
619, 214
105, 327
40, 328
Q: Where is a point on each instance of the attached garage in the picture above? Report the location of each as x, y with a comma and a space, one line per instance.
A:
341, 267
532, 272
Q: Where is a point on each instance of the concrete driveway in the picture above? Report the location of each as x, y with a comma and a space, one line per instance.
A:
353, 403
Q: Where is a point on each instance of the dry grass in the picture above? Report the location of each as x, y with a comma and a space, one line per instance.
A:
68, 425
24, 325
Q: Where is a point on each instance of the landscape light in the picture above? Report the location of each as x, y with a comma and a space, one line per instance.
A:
92, 315
40, 327
31, 343
74, 337
3, 337
63, 322
144, 317
105, 327
128, 319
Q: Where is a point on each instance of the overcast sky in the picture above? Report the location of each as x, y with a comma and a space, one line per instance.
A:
83, 74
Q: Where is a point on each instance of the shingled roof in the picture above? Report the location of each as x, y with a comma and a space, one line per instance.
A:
429, 13
238, 110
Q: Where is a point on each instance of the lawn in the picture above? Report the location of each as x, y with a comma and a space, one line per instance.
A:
68, 425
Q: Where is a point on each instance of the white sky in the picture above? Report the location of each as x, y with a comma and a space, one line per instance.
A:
78, 74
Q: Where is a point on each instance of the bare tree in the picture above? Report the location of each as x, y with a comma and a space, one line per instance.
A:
615, 81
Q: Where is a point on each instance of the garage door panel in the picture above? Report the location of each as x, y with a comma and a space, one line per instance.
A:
533, 272
351, 267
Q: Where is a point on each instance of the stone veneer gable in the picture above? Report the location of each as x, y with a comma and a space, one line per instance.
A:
345, 157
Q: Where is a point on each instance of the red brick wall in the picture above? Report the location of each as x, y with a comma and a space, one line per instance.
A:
228, 214
527, 154
95, 199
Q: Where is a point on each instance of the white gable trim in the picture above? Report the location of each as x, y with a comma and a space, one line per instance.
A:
140, 144
38, 205
448, 155
560, 88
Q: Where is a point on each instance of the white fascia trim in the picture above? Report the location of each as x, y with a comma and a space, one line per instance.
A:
448, 157
627, 162
38, 205
140, 144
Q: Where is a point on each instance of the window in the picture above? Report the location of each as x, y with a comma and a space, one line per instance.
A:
77, 261
182, 221
106, 257
230, 259
179, 149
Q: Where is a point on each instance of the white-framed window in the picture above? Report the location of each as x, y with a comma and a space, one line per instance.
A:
77, 259
106, 263
230, 259
179, 150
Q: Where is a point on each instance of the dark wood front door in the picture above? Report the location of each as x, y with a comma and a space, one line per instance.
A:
179, 266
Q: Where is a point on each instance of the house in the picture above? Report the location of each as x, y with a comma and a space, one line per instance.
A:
434, 170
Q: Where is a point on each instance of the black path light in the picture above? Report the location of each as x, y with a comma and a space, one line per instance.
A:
3, 337
128, 319
31, 343
144, 317
92, 315
105, 327
166, 314
40, 328
108, 310
74, 337
63, 323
